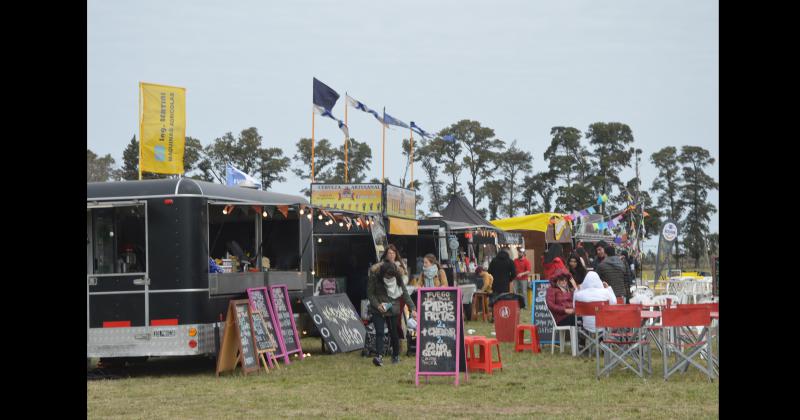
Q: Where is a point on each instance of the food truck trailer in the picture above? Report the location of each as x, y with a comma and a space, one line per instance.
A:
148, 249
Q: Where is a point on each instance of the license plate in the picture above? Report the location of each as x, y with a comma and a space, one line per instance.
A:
164, 333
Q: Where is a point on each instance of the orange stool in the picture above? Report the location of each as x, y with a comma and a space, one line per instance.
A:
485, 360
480, 300
521, 345
469, 343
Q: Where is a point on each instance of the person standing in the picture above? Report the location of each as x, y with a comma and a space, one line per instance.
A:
552, 262
503, 271
600, 248
523, 267
432, 274
384, 290
576, 268
612, 271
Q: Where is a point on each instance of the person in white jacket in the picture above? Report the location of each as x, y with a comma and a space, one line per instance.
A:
592, 290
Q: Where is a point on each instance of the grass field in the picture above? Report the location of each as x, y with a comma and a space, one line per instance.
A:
349, 386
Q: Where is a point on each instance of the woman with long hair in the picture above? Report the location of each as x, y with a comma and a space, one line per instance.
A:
432, 274
576, 268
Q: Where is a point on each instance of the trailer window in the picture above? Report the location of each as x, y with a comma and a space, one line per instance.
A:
119, 240
232, 236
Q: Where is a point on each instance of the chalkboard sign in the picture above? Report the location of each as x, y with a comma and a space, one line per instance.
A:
440, 343
540, 314
337, 322
284, 320
264, 340
247, 351
259, 303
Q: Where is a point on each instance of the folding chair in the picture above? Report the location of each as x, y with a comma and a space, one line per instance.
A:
677, 319
618, 346
586, 309
707, 333
573, 335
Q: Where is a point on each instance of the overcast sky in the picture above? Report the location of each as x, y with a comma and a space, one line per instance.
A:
519, 67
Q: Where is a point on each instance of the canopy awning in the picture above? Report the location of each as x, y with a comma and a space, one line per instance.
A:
537, 222
399, 226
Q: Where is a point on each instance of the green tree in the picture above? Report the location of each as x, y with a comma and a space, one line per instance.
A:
431, 170
512, 164
713, 244
273, 165
610, 154
98, 169
480, 151
324, 161
359, 156
494, 190
697, 184
418, 147
569, 160
541, 187
667, 188
447, 154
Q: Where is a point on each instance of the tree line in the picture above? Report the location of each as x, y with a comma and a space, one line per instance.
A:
501, 178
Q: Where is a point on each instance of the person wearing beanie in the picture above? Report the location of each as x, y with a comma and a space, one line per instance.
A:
559, 298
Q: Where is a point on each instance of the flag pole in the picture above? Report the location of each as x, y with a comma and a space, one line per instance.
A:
312, 144
140, 131
412, 158
383, 147
346, 139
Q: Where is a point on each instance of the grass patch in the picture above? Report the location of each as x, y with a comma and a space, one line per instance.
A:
349, 386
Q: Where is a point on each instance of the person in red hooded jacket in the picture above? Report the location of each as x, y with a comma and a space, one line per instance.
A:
559, 298
552, 262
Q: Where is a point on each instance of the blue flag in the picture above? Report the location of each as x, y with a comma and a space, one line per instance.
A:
234, 176
449, 138
419, 130
390, 120
324, 99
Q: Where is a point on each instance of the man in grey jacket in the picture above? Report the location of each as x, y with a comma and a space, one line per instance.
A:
612, 271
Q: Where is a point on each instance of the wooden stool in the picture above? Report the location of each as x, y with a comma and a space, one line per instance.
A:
521, 345
485, 360
480, 299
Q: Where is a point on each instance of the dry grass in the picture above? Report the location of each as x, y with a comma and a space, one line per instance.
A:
349, 386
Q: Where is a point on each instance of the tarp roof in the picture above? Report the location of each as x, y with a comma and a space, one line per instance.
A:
537, 222
184, 186
459, 210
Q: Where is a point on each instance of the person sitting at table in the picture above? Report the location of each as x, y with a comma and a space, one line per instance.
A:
487, 280
559, 298
593, 290
432, 274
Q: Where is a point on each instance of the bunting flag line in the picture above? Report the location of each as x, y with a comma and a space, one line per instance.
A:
390, 120
420, 131
362, 107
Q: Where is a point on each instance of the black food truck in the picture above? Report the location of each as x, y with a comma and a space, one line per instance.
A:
149, 249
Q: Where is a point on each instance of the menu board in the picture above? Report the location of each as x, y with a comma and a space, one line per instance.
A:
337, 322
285, 319
248, 355
264, 340
440, 343
540, 314
259, 302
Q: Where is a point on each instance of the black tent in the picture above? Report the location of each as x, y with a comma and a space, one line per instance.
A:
459, 210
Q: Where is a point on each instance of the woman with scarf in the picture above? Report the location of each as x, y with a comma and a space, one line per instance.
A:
384, 290
432, 275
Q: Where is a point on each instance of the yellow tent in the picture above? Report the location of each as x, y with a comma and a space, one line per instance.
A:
538, 222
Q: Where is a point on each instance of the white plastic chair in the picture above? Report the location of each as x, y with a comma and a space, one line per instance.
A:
573, 335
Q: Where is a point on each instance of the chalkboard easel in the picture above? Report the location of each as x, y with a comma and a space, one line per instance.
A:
266, 341
540, 316
283, 319
440, 328
238, 346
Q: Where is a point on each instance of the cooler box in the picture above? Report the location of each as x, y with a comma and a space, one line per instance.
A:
506, 318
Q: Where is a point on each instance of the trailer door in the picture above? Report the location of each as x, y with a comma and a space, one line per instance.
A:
117, 265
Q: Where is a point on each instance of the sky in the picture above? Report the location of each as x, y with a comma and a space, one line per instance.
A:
519, 67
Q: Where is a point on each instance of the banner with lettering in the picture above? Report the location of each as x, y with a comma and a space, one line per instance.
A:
362, 198
162, 128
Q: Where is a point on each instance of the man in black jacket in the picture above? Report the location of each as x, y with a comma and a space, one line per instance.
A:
612, 271
503, 270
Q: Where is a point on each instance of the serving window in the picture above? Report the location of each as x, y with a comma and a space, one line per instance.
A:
118, 236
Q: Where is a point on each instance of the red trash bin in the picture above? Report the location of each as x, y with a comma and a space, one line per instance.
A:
506, 318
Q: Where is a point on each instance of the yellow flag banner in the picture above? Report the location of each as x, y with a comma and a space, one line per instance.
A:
162, 128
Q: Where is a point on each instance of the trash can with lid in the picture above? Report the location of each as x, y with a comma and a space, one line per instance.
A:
506, 318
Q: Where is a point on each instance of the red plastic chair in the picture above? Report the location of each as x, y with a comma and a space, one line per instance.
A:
712, 331
617, 347
686, 345
587, 309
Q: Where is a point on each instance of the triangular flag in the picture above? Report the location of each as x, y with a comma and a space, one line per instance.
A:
591, 210
284, 211
596, 226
